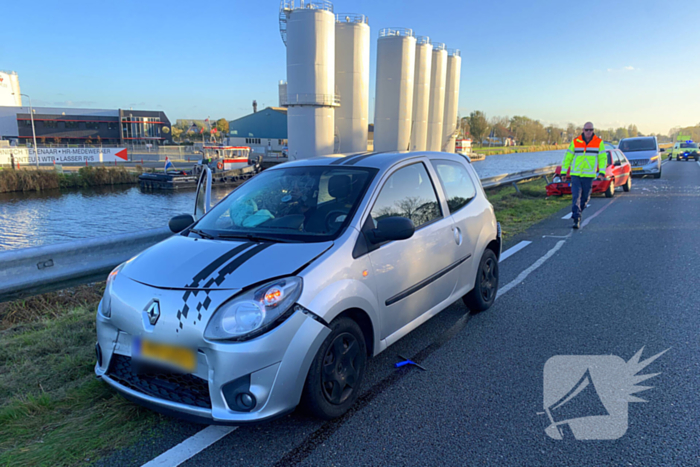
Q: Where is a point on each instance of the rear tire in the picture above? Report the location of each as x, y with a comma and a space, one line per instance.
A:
482, 296
335, 377
610, 192
628, 185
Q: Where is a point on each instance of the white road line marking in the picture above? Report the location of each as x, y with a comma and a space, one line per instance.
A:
521, 277
568, 216
513, 250
697, 162
586, 221
191, 446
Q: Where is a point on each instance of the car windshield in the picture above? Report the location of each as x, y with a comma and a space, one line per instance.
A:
306, 204
632, 145
689, 145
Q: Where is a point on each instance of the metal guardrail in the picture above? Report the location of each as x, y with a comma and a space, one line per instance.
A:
31, 271
506, 179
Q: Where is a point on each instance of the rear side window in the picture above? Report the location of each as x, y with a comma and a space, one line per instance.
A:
458, 185
408, 193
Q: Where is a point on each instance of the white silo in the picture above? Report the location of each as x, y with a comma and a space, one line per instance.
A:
438, 76
449, 125
283, 93
310, 37
352, 82
396, 54
421, 94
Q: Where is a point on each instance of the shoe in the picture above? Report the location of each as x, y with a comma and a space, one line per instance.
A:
577, 224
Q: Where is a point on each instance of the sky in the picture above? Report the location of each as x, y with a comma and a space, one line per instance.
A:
614, 62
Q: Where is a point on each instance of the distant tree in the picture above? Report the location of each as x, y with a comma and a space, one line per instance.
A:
99, 140
621, 133
499, 127
177, 132
632, 131
57, 140
478, 126
43, 140
222, 126
165, 129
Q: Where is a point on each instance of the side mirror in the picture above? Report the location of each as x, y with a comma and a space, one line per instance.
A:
662, 150
179, 223
391, 228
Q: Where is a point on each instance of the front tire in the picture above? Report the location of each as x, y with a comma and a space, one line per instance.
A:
658, 175
336, 373
610, 192
482, 296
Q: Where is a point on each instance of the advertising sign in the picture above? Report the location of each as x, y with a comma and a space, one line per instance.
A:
25, 156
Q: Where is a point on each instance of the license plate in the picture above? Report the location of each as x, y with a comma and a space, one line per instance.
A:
637, 168
179, 357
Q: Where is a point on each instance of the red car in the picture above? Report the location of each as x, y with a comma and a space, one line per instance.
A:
617, 173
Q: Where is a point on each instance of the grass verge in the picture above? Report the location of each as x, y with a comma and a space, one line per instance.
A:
38, 180
54, 412
52, 409
518, 211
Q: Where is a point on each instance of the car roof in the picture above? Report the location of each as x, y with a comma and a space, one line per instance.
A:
639, 137
376, 160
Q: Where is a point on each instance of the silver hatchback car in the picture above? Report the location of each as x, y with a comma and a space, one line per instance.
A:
281, 292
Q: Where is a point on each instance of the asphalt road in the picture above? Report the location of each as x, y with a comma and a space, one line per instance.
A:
625, 281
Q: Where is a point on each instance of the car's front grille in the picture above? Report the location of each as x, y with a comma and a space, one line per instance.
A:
181, 388
638, 162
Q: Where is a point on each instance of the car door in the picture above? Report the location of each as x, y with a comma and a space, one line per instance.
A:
468, 217
622, 170
412, 276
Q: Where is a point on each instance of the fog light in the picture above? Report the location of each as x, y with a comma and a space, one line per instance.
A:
246, 400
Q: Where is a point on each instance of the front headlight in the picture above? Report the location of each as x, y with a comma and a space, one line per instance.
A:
107, 297
556, 179
655, 158
255, 311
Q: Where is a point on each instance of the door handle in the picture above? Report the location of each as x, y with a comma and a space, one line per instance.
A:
458, 235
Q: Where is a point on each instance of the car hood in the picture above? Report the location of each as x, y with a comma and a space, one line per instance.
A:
640, 154
190, 263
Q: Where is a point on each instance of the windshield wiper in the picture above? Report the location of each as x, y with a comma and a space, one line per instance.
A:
202, 234
259, 238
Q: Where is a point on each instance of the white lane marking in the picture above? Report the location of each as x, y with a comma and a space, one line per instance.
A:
191, 446
589, 219
697, 162
521, 277
513, 250
568, 216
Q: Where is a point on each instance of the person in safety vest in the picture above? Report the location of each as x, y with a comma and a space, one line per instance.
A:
585, 155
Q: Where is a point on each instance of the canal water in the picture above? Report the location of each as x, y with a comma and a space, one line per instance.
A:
57, 216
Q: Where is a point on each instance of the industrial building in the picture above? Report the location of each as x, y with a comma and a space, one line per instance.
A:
54, 125
264, 131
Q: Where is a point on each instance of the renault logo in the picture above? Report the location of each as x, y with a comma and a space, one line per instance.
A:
153, 312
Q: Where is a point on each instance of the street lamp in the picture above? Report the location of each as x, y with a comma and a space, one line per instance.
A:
31, 116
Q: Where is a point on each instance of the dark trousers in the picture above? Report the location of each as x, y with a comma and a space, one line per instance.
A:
580, 195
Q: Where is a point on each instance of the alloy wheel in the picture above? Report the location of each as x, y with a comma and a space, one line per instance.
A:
340, 368
489, 279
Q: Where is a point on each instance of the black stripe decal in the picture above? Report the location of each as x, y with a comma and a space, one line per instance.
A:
216, 264
238, 262
361, 158
425, 282
340, 160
